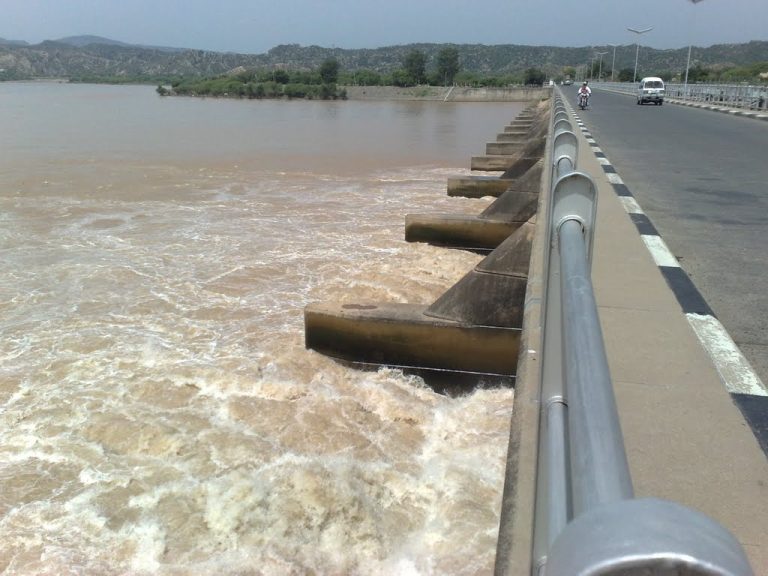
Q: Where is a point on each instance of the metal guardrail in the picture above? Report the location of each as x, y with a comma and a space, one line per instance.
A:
747, 97
587, 521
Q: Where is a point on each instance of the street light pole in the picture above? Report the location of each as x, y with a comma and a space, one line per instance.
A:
637, 50
613, 63
600, 69
688, 63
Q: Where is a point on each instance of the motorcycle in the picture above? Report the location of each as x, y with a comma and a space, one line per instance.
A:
583, 100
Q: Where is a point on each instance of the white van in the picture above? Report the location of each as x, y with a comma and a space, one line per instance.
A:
651, 89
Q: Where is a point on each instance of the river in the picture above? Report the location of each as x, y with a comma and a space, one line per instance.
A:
159, 413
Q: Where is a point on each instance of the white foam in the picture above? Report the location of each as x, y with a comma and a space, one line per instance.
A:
127, 349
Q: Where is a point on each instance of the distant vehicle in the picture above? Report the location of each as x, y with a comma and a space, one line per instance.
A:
568, 82
651, 89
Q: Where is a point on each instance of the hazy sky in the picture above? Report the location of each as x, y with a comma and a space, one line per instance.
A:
255, 26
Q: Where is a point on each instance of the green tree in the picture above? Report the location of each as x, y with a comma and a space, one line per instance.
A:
281, 76
400, 78
447, 65
368, 78
466, 78
329, 71
626, 74
415, 66
697, 74
533, 76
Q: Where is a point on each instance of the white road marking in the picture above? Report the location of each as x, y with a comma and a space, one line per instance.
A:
614, 178
630, 205
735, 370
658, 249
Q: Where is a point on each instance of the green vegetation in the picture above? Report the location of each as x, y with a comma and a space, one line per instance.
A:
534, 76
754, 73
625, 74
447, 65
314, 85
329, 71
8, 75
415, 66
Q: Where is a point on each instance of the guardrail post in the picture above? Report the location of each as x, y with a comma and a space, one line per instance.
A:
565, 152
574, 197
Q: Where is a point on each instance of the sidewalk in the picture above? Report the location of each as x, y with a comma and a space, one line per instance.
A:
686, 440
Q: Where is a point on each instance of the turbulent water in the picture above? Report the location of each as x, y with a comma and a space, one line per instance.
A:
159, 413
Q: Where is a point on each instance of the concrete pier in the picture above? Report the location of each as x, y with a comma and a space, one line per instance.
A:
457, 230
515, 206
404, 335
507, 137
472, 327
478, 186
503, 148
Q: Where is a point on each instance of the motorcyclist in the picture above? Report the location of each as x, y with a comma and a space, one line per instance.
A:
585, 89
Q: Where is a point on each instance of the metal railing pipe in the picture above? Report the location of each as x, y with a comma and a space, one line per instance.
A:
599, 468
558, 488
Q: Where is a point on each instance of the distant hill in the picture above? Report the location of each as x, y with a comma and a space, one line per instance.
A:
4, 42
87, 40
81, 41
85, 56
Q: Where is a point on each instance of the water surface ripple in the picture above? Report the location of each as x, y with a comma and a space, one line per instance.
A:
158, 411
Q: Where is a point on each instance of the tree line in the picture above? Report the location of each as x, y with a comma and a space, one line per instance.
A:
322, 83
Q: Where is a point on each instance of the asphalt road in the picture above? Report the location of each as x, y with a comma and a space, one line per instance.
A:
702, 179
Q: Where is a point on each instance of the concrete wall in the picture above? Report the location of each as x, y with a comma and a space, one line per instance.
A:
453, 93
459, 94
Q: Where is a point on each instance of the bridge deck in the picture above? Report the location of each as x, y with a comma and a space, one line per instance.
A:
686, 440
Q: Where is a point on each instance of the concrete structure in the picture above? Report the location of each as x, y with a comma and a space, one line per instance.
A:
475, 325
517, 157
449, 94
514, 207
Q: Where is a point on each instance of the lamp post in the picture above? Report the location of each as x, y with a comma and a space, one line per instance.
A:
637, 50
600, 69
688, 63
613, 63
